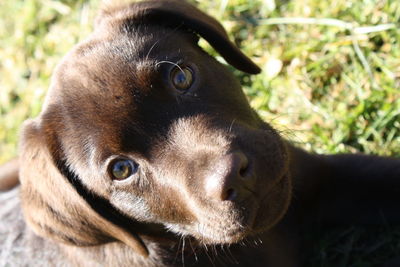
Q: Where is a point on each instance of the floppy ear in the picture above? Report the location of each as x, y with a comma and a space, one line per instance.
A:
51, 203
9, 175
175, 13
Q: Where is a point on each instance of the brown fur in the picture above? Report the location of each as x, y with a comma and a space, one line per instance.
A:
9, 175
111, 96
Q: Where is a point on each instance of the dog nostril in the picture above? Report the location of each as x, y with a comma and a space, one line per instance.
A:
243, 166
243, 171
231, 194
229, 177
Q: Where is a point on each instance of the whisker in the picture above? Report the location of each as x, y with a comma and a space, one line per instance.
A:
194, 251
230, 127
226, 256
208, 256
169, 62
257, 241
247, 241
151, 48
174, 30
215, 252
183, 252
177, 250
232, 256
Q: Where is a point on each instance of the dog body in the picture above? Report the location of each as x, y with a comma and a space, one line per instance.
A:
147, 153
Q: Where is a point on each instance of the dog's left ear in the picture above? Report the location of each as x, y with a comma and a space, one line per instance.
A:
176, 13
53, 206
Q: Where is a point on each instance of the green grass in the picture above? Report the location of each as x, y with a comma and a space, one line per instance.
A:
324, 86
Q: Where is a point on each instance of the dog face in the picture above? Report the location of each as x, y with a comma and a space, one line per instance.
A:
143, 132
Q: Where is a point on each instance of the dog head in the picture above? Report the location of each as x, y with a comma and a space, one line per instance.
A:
142, 132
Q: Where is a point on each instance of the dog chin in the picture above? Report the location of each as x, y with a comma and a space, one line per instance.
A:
229, 225
206, 235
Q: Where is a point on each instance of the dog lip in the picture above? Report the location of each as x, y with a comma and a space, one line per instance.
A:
273, 185
277, 210
255, 200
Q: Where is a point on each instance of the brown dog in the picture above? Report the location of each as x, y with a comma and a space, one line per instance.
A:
147, 153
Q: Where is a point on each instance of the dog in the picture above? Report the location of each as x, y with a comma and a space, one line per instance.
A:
147, 153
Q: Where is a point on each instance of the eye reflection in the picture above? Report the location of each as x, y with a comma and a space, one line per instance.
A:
121, 169
181, 78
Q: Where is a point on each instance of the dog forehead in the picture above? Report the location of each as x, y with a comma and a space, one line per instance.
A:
99, 66
123, 62
102, 83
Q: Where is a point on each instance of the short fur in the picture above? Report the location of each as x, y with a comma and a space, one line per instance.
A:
211, 172
9, 175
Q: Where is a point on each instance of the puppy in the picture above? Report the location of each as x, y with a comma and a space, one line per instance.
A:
147, 153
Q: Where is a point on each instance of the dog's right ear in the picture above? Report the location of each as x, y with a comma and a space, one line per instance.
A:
51, 205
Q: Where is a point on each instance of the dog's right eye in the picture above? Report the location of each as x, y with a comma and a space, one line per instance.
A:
182, 77
121, 169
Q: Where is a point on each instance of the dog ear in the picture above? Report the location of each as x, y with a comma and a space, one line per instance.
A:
9, 175
176, 13
52, 206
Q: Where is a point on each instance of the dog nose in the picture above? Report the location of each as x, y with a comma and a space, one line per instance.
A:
231, 178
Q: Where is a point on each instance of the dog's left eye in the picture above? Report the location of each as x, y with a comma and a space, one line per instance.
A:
121, 169
181, 77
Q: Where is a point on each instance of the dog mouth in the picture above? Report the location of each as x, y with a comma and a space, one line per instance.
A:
233, 222
273, 205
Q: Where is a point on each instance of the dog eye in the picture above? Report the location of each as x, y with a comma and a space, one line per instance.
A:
121, 169
182, 77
